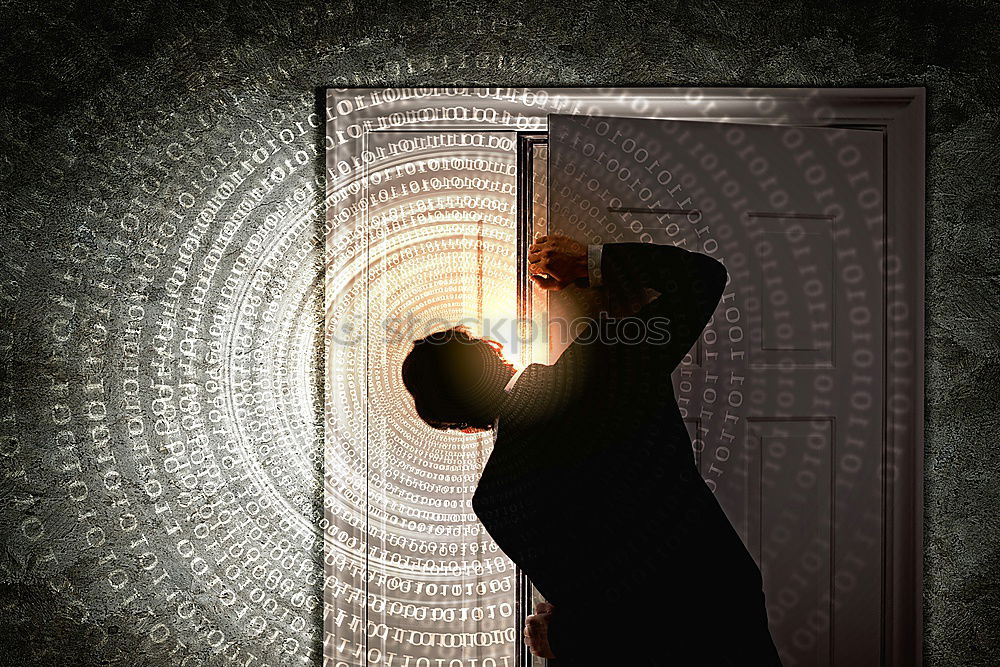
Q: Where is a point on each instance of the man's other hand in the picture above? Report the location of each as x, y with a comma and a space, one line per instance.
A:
536, 630
555, 261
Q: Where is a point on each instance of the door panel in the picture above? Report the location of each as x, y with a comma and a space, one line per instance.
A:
795, 324
784, 392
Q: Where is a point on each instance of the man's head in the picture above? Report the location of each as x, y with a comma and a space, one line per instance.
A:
456, 380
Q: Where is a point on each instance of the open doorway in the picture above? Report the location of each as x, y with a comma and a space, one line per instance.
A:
425, 239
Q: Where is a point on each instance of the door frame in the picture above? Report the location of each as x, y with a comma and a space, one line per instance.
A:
899, 113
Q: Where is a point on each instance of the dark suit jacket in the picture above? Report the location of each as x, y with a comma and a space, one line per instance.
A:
592, 488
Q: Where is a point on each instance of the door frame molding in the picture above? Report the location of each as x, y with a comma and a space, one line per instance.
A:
899, 113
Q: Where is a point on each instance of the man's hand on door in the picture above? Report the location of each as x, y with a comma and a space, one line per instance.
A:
536, 630
555, 261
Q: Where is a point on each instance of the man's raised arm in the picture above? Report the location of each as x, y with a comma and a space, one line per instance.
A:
690, 286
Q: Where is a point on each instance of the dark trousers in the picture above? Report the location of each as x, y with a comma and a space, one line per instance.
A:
715, 633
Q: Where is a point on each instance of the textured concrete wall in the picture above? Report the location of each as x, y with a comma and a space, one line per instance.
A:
121, 123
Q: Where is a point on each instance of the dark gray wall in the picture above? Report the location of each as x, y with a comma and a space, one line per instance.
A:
110, 110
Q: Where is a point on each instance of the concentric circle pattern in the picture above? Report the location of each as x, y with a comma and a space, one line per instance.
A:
171, 485
243, 478
421, 238
184, 389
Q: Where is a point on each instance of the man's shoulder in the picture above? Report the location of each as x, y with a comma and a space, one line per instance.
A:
527, 396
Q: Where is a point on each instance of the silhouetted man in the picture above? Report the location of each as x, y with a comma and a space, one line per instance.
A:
592, 487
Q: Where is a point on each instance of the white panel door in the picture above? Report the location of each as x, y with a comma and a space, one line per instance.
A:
783, 394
